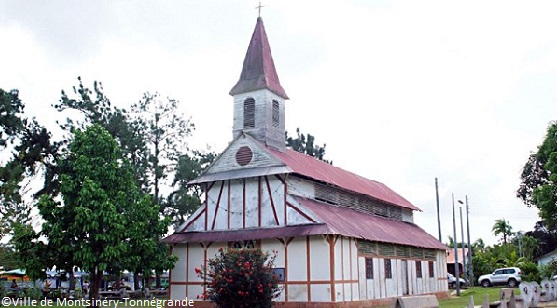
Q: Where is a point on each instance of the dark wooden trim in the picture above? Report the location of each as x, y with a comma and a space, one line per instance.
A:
302, 282
244, 203
186, 283
194, 219
332, 241
228, 203
259, 201
206, 211
272, 202
308, 266
286, 270
280, 178
208, 187
187, 266
299, 211
217, 205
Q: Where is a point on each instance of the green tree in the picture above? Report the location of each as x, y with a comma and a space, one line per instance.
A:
306, 144
185, 199
164, 133
27, 146
539, 179
101, 197
503, 228
95, 107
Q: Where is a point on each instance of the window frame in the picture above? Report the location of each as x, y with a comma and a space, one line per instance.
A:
369, 268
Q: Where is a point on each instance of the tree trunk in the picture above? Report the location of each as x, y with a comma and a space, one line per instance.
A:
96, 280
135, 281
72, 280
157, 280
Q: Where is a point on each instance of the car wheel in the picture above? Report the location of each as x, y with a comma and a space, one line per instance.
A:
512, 283
485, 283
462, 285
453, 285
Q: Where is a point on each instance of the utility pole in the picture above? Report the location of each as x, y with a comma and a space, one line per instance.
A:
470, 267
456, 269
465, 272
438, 217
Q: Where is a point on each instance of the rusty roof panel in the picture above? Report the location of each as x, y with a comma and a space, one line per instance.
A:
258, 71
247, 234
350, 222
318, 170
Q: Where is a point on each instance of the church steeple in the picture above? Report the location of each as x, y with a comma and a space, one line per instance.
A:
258, 71
258, 96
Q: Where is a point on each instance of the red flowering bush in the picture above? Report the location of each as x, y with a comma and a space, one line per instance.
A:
238, 278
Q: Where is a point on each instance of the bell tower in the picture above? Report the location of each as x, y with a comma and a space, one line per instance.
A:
258, 96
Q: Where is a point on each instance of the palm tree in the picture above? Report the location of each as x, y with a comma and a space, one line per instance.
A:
529, 246
502, 227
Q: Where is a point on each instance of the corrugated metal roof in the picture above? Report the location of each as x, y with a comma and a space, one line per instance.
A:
350, 222
318, 170
247, 234
333, 220
258, 71
461, 254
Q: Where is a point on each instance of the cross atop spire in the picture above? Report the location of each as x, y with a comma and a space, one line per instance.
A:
258, 71
259, 9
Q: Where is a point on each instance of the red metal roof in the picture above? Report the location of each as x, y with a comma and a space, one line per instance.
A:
350, 222
332, 220
247, 234
258, 71
318, 170
461, 253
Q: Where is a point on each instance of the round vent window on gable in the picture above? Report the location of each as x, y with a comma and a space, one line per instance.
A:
244, 156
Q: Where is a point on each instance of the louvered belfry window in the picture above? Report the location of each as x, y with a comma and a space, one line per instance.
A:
276, 120
249, 113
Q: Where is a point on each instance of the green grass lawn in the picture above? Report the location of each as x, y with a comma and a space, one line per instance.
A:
477, 292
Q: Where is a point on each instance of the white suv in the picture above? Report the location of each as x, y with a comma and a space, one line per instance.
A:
504, 276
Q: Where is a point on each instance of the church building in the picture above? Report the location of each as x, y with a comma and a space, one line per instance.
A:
342, 240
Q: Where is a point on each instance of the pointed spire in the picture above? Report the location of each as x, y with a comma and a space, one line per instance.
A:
258, 71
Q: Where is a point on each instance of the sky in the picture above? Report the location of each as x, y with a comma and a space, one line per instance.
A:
401, 92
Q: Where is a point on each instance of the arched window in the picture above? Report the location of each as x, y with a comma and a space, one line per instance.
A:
249, 113
276, 120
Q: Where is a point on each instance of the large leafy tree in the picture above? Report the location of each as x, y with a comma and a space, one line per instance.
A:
185, 199
102, 212
546, 239
503, 228
539, 179
164, 134
28, 150
94, 107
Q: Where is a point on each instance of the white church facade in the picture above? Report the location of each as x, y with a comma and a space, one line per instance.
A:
342, 240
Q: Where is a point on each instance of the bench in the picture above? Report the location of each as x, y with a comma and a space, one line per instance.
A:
418, 301
110, 294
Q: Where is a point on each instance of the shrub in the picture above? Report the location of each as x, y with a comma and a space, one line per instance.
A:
238, 278
530, 271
